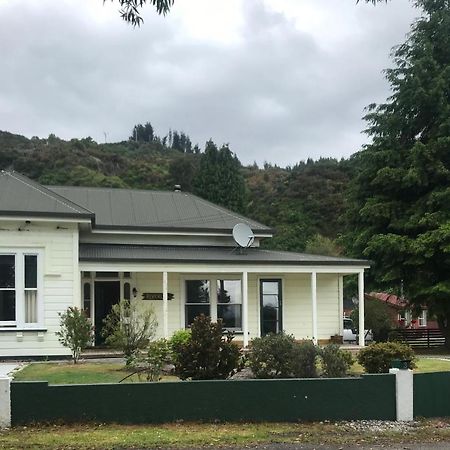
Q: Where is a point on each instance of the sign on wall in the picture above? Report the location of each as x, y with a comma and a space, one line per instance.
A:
156, 296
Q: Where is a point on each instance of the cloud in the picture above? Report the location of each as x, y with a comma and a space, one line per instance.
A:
279, 84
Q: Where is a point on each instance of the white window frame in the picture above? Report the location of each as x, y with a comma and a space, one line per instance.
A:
19, 274
422, 318
212, 278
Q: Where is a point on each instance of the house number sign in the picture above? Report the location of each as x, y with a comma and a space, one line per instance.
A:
156, 296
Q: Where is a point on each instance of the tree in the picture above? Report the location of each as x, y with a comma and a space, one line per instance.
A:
130, 9
399, 204
219, 178
142, 133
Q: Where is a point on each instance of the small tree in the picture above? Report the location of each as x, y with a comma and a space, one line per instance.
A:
129, 327
75, 331
207, 355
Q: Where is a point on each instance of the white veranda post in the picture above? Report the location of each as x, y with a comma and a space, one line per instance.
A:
165, 306
314, 306
361, 308
245, 308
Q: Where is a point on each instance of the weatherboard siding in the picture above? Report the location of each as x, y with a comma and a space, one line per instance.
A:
60, 284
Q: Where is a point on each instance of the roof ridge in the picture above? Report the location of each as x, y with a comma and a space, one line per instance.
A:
47, 192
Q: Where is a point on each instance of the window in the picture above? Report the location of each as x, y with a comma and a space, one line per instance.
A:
229, 303
197, 299
19, 289
423, 318
271, 304
87, 298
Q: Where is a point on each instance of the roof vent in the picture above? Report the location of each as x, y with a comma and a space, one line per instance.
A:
177, 188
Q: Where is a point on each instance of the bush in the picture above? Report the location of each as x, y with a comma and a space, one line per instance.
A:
272, 355
129, 327
76, 331
377, 358
304, 355
335, 362
158, 355
207, 355
179, 339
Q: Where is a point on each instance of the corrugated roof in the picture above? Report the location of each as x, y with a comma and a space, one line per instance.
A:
140, 253
154, 210
20, 196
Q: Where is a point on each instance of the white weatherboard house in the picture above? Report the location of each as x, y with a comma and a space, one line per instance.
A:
89, 247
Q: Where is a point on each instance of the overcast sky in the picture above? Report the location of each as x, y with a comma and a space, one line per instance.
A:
279, 80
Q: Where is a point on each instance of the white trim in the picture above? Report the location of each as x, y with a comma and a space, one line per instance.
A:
341, 304
165, 305
171, 233
362, 328
314, 307
43, 219
244, 316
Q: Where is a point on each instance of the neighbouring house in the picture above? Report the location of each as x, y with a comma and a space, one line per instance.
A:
401, 312
89, 247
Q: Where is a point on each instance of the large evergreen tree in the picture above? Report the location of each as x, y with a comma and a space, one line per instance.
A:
219, 178
399, 210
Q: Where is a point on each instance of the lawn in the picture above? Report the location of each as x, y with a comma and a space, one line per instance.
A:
88, 372
195, 435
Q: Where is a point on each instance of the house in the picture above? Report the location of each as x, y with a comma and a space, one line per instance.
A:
401, 312
89, 247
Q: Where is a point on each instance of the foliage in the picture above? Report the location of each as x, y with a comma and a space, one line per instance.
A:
279, 356
304, 356
75, 332
377, 358
130, 9
399, 208
152, 363
322, 245
142, 133
178, 340
335, 362
207, 355
377, 318
129, 327
219, 178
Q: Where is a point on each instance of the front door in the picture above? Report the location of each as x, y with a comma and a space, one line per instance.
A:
271, 306
107, 294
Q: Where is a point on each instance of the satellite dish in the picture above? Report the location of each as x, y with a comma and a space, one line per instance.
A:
243, 235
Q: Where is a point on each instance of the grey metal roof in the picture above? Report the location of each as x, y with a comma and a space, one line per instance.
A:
20, 196
187, 254
154, 210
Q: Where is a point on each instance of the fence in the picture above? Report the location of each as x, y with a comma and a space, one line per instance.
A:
367, 397
422, 338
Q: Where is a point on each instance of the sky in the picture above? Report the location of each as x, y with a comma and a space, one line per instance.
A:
278, 80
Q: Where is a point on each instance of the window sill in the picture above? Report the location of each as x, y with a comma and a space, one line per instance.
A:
22, 330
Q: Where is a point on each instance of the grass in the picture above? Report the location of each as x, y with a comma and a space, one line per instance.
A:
82, 373
185, 435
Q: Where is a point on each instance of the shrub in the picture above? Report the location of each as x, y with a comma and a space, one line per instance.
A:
129, 327
377, 358
304, 355
178, 339
75, 331
158, 355
335, 362
207, 355
272, 355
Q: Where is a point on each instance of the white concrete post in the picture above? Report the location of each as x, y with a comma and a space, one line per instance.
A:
314, 306
5, 402
404, 393
245, 308
361, 308
165, 306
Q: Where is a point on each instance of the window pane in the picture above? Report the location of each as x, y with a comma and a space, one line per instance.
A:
192, 311
30, 271
30, 306
107, 274
7, 271
229, 291
87, 308
127, 291
270, 287
197, 291
270, 300
230, 315
7, 305
87, 291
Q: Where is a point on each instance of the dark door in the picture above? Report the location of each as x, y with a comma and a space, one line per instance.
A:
107, 293
271, 306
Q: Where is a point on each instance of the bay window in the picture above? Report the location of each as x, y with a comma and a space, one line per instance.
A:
19, 289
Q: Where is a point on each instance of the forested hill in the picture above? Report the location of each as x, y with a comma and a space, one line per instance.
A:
304, 203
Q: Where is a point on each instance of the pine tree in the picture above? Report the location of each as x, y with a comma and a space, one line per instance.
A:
399, 207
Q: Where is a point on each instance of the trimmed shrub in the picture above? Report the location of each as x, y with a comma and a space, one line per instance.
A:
304, 356
335, 362
272, 355
179, 339
377, 358
207, 355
